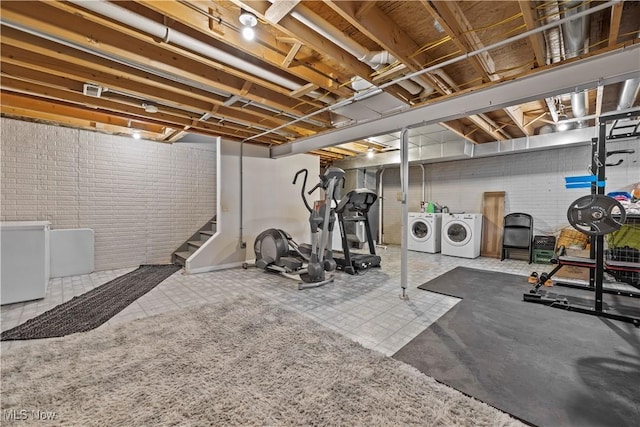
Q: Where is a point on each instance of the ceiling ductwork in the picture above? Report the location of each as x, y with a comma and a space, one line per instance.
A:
628, 92
375, 60
461, 149
168, 35
575, 36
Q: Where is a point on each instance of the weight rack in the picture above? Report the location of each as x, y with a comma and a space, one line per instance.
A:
596, 262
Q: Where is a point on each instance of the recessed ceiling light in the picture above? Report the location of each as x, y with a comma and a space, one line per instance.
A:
136, 135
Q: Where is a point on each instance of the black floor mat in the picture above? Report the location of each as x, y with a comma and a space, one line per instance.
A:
546, 366
93, 308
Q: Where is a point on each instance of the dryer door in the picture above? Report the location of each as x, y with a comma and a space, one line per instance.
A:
421, 230
457, 233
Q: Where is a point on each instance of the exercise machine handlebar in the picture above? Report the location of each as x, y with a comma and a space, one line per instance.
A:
304, 185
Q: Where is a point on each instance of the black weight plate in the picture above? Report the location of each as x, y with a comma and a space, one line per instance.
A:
596, 214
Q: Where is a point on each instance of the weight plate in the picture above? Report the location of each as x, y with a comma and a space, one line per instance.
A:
596, 215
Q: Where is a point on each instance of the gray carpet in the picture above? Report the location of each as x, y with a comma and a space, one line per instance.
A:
546, 366
242, 362
93, 308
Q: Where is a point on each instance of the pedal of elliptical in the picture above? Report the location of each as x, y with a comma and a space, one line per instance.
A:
291, 263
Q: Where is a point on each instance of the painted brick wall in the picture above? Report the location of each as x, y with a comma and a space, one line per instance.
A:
533, 182
142, 198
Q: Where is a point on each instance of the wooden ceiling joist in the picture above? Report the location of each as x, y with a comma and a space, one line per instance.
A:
190, 62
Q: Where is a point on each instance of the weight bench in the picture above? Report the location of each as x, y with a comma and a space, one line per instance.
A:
609, 265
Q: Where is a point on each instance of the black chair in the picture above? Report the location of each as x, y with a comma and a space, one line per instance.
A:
517, 234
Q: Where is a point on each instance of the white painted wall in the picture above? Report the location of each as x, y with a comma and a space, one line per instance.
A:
143, 199
269, 200
533, 182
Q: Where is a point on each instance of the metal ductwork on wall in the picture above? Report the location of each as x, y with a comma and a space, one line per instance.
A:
460, 149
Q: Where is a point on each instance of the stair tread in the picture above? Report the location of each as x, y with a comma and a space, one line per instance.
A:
196, 243
207, 233
183, 254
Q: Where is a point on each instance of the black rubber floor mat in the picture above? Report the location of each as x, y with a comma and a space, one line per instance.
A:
93, 308
546, 366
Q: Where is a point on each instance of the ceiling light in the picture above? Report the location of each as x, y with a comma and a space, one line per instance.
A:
248, 33
149, 107
248, 21
136, 135
247, 18
562, 125
370, 152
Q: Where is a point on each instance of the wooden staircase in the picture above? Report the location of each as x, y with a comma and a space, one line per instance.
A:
195, 241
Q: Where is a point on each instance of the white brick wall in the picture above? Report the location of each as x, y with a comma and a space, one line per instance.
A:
533, 182
142, 198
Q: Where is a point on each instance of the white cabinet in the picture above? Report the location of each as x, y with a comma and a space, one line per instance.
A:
24, 260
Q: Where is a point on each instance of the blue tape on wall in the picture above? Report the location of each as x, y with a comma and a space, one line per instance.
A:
584, 178
583, 184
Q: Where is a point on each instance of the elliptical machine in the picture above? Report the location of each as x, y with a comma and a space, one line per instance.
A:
276, 251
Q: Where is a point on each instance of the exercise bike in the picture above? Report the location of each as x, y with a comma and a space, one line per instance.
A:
276, 251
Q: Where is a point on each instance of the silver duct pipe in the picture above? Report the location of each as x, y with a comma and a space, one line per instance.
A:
167, 35
628, 93
330, 138
575, 34
373, 59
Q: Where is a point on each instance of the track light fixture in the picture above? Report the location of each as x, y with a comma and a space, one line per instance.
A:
248, 21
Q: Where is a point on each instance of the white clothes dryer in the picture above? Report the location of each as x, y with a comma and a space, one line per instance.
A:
424, 232
461, 235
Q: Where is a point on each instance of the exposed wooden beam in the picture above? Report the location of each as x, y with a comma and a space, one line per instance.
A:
291, 55
528, 9
490, 128
599, 96
454, 20
459, 129
614, 28
171, 116
30, 66
309, 87
365, 7
266, 50
341, 151
194, 68
379, 27
315, 41
279, 9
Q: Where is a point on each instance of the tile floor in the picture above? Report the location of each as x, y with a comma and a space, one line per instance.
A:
366, 307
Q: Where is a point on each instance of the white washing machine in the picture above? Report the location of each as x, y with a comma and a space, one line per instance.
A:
461, 235
424, 232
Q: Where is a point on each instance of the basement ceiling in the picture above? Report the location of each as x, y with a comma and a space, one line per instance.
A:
166, 69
